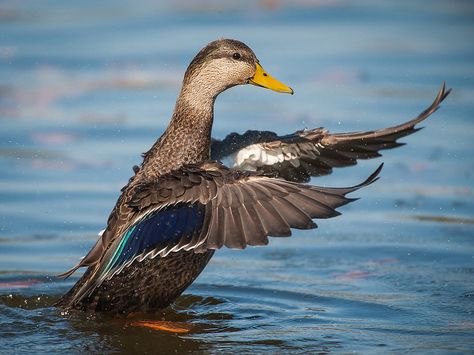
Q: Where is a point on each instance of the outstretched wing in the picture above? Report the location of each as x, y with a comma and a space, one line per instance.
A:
210, 206
315, 152
242, 208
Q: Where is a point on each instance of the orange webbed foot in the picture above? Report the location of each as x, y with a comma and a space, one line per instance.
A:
172, 327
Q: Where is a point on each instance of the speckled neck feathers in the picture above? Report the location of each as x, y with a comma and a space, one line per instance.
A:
186, 140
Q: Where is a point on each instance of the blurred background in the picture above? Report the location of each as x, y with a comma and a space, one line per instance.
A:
86, 87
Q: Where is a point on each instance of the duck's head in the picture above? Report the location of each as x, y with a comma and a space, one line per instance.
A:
225, 63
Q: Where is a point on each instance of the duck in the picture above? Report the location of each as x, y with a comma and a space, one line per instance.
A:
183, 203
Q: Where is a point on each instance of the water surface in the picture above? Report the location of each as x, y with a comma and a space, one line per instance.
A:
86, 87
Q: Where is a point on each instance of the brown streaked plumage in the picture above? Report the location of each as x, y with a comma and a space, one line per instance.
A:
180, 207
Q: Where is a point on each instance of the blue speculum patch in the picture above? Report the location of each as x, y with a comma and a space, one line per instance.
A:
158, 230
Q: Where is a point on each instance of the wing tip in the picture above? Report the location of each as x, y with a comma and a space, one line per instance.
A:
371, 179
440, 96
443, 93
68, 273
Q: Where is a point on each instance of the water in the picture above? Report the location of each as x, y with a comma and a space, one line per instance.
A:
85, 88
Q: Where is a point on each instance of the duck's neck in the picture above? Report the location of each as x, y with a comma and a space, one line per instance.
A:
187, 139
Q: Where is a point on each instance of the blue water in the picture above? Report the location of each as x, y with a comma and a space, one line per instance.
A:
86, 87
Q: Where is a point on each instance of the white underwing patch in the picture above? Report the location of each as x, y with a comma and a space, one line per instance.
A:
258, 155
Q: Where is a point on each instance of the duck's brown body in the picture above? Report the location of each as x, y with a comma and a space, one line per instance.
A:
179, 207
144, 287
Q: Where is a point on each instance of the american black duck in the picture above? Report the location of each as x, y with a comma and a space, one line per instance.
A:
182, 204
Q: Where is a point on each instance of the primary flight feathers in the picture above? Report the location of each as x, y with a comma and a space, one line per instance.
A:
313, 152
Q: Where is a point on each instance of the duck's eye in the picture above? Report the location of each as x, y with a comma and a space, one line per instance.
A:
236, 56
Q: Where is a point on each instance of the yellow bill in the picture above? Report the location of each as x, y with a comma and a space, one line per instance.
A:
261, 78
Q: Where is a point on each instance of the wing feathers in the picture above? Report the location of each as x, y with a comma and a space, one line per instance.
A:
272, 220
296, 217
213, 232
207, 207
298, 156
255, 233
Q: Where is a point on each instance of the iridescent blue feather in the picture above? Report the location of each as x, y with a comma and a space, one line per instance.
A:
158, 230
